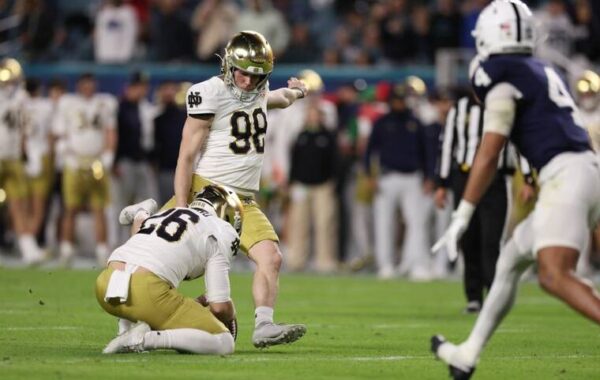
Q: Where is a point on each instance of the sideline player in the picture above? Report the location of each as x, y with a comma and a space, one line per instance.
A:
227, 124
39, 148
526, 101
182, 243
86, 122
13, 179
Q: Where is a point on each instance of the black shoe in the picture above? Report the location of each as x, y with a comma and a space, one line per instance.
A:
455, 373
473, 307
459, 374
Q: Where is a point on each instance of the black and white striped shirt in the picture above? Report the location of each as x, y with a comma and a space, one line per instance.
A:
460, 140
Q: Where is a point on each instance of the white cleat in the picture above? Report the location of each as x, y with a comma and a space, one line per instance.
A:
130, 341
127, 215
271, 334
449, 354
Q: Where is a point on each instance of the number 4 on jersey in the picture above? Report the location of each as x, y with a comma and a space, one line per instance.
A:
560, 96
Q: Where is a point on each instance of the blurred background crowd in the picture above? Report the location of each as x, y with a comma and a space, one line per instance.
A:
365, 61
332, 32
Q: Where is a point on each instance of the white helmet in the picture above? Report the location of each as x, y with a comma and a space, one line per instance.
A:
504, 26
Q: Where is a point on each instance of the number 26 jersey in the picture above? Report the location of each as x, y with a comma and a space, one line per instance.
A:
178, 243
233, 152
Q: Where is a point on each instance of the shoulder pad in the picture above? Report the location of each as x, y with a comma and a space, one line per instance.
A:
485, 75
200, 98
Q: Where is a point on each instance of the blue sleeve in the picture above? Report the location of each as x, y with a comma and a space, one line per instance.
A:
486, 76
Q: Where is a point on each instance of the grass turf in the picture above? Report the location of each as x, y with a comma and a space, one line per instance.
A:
52, 328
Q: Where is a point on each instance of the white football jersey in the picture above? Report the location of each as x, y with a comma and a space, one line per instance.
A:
178, 244
38, 119
12, 126
233, 152
83, 123
591, 121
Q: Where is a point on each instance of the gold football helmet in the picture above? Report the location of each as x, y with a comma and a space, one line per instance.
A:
312, 79
415, 85
11, 73
223, 201
587, 88
251, 53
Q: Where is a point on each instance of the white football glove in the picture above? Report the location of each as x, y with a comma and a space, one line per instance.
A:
458, 225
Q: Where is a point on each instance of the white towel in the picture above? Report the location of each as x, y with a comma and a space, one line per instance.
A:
118, 285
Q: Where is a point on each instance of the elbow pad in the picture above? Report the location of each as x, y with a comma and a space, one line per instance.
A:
500, 108
499, 116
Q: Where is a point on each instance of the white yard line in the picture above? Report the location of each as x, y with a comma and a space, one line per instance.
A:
137, 358
32, 328
401, 326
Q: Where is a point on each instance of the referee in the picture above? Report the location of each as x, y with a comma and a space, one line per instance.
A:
482, 240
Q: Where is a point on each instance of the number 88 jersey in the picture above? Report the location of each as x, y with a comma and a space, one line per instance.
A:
233, 152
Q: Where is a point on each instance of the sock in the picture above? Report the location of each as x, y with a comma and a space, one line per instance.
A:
190, 340
124, 325
263, 314
102, 254
498, 302
28, 247
66, 250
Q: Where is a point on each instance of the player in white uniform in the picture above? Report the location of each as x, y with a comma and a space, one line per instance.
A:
587, 91
226, 125
178, 244
38, 112
86, 123
527, 102
13, 99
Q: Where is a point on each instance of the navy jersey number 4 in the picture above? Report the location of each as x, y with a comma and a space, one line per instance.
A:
547, 122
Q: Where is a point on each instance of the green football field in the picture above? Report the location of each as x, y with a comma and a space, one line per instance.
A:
358, 328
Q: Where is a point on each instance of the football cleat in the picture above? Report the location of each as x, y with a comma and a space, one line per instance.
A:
442, 350
130, 341
473, 307
127, 215
271, 334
